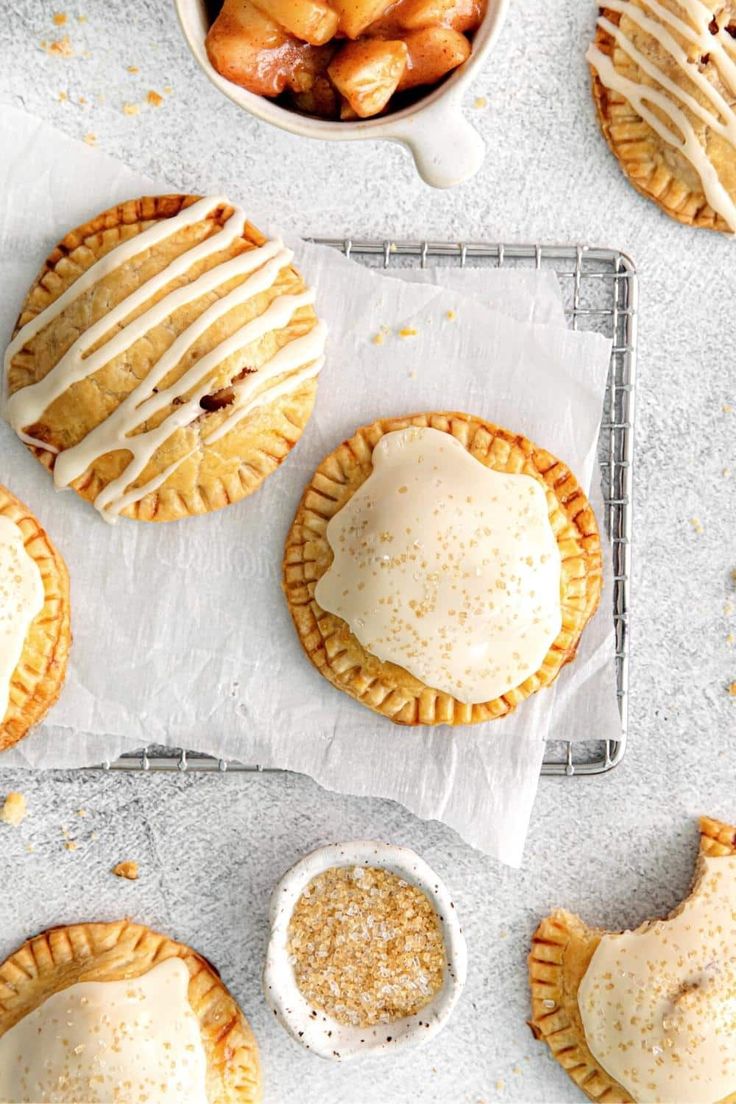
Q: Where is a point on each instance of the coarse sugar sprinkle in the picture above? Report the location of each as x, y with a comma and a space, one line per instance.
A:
366, 946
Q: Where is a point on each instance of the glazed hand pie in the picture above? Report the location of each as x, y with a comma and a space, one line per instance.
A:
142, 1018
647, 1016
664, 84
35, 633
441, 569
165, 360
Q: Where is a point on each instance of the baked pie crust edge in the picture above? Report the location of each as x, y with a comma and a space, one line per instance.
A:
37, 680
639, 149
562, 947
260, 443
386, 687
63, 956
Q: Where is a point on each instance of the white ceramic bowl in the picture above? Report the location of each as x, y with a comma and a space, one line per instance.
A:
446, 148
315, 1030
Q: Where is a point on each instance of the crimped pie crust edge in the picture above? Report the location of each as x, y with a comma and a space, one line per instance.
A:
385, 687
63, 956
562, 947
37, 680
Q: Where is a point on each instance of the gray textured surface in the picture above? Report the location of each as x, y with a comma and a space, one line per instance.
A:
617, 849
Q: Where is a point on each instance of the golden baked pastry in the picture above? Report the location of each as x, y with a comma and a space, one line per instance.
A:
664, 85
572, 554
165, 359
563, 987
35, 633
171, 1018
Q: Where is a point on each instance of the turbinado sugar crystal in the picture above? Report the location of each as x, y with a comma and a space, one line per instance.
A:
366, 946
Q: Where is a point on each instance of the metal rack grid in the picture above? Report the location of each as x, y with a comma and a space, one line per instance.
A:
600, 293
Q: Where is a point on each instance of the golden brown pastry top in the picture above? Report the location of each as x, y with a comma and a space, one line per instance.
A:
664, 82
165, 360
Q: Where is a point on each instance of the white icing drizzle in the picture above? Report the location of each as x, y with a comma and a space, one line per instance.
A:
260, 266
658, 1005
137, 1039
446, 567
670, 97
21, 600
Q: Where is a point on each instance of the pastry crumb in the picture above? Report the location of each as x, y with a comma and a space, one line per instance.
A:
451, 315
726, 473
728, 608
30, 848
500, 1085
126, 869
133, 69
732, 689
727, 408
378, 338
168, 90
413, 374
130, 109
14, 809
697, 525
154, 98
480, 102
61, 47
82, 812
71, 845
730, 640
82, 100
81, 19
90, 138
407, 331
59, 18
64, 97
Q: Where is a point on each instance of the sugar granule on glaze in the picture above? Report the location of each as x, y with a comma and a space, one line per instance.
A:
366, 946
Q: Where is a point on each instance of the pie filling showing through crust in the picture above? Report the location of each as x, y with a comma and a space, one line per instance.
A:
91, 1008
647, 1016
664, 84
441, 569
35, 633
165, 360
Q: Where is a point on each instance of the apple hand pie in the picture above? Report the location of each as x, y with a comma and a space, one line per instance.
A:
647, 1016
664, 84
35, 633
144, 1019
165, 360
441, 569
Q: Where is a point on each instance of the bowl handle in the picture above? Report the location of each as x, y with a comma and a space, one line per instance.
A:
445, 147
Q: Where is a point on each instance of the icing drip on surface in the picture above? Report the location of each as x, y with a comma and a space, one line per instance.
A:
667, 105
21, 599
446, 567
109, 1041
258, 269
658, 1005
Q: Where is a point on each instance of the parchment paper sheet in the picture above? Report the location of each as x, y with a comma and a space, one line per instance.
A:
182, 636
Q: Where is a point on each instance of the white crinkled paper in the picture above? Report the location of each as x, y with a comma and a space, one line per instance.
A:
181, 633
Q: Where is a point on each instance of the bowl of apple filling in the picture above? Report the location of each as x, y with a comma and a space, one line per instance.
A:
352, 69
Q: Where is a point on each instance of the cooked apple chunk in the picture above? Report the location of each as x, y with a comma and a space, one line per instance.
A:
356, 15
248, 47
311, 20
461, 15
433, 52
367, 73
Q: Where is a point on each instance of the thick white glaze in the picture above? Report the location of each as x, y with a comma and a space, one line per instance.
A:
658, 1005
112, 1041
446, 567
260, 267
21, 599
670, 97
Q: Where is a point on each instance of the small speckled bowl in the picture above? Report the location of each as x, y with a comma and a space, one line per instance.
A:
314, 1029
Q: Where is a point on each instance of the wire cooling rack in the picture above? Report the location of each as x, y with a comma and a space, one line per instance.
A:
600, 293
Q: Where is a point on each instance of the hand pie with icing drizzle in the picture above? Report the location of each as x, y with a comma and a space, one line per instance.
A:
664, 84
165, 360
144, 1018
647, 1016
441, 569
35, 633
